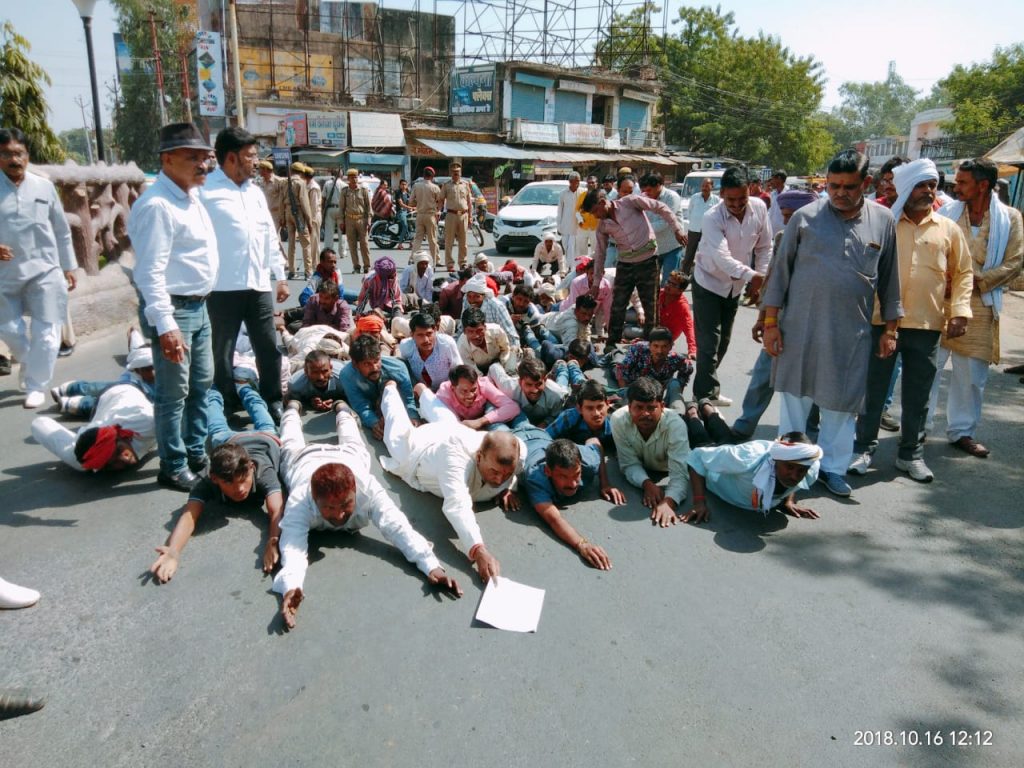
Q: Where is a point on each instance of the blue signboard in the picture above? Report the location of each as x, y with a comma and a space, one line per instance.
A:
473, 90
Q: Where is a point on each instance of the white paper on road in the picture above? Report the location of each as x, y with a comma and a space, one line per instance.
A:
511, 606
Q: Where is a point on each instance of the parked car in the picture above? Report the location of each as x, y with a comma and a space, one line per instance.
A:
533, 212
690, 186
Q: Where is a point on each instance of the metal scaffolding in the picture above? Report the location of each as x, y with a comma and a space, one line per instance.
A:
400, 53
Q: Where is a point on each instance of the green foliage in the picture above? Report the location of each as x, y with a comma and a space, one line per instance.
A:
22, 101
988, 98
137, 111
874, 110
748, 98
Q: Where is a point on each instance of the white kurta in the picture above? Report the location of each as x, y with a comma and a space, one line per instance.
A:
373, 504
123, 404
439, 458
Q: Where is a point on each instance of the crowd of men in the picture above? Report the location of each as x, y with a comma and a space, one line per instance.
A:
491, 382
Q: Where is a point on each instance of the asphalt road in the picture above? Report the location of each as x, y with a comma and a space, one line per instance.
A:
748, 641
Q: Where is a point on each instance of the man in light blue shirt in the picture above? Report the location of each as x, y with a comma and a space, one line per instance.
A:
760, 475
363, 380
37, 265
176, 262
700, 204
250, 258
669, 250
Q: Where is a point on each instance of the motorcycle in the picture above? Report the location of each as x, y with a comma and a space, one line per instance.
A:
384, 234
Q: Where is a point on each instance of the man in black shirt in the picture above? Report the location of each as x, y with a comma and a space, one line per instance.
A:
244, 470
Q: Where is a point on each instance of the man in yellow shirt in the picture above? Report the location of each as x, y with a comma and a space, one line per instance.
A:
932, 252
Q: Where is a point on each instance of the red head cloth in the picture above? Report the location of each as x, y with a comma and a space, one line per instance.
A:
102, 451
582, 263
370, 324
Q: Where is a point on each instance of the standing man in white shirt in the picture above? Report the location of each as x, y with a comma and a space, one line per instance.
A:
669, 250
37, 264
568, 217
776, 186
250, 260
331, 488
176, 263
700, 204
735, 248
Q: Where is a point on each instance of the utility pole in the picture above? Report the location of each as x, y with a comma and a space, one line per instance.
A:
236, 66
88, 142
186, 91
159, 69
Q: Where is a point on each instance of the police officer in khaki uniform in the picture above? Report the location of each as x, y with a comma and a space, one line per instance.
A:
354, 212
458, 204
316, 211
426, 199
273, 186
298, 218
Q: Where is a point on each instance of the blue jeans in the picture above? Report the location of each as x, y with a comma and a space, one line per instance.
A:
758, 397
568, 374
670, 262
255, 406
179, 395
403, 225
892, 382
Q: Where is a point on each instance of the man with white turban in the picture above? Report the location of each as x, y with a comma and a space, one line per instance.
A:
476, 293
761, 475
995, 236
934, 263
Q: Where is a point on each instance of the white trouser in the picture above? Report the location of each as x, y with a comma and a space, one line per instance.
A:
301, 461
964, 397
432, 409
36, 349
332, 230
57, 439
835, 435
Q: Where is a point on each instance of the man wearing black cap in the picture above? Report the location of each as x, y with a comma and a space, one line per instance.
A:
176, 264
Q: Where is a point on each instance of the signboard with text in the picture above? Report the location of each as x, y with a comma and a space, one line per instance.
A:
538, 133
210, 70
473, 90
327, 129
295, 133
584, 133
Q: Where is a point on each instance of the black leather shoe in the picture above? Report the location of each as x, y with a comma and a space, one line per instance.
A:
66, 350
183, 481
15, 702
198, 464
276, 412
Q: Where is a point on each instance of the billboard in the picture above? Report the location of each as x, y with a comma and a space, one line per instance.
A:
123, 56
288, 72
210, 67
295, 130
473, 90
327, 129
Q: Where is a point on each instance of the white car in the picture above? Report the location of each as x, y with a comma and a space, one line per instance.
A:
690, 186
533, 212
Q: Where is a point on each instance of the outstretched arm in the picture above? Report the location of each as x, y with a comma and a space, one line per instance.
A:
166, 565
275, 509
592, 555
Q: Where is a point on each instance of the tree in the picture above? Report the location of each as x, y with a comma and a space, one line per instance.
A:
22, 101
748, 98
874, 110
987, 98
137, 111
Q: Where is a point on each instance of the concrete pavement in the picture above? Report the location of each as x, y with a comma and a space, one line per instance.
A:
746, 641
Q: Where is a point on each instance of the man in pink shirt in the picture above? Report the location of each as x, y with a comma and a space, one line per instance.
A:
467, 395
624, 221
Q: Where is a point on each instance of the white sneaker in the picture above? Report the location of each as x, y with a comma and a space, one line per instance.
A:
721, 401
916, 468
59, 391
71, 405
860, 464
34, 399
13, 596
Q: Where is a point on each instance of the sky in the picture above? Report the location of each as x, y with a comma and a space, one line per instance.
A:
854, 41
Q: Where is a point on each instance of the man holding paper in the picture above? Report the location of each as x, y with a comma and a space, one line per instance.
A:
451, 461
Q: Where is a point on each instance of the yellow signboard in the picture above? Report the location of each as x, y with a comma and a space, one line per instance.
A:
289, 71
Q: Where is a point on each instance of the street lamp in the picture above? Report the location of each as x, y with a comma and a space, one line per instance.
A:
85, 9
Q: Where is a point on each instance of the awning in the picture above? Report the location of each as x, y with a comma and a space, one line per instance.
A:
475, 149
369, 160
321, 157
376, 129
472, 149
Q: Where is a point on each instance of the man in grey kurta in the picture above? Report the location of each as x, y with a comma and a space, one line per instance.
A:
836, 256
37, 264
